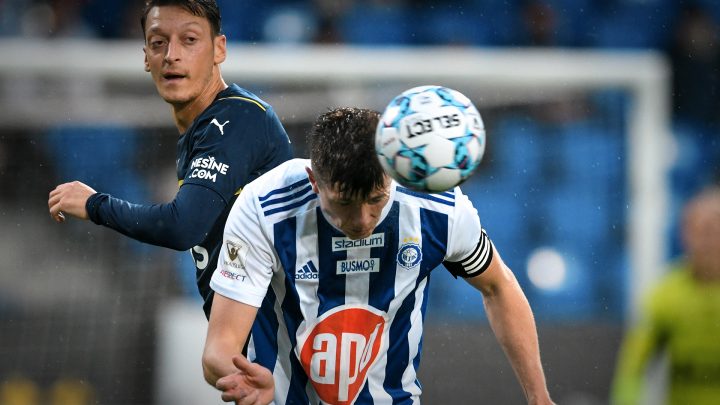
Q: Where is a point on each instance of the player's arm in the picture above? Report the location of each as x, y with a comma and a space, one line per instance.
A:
478, 262
640, 344
512, 322
224, 366
179, 224
240, 282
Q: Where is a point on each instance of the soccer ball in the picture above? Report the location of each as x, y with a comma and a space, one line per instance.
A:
430, 138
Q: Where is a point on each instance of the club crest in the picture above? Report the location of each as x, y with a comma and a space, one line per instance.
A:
409, 255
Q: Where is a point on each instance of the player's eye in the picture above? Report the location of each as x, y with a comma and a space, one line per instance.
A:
157, 43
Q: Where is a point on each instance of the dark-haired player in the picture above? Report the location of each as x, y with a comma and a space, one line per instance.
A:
334, 258
228, 137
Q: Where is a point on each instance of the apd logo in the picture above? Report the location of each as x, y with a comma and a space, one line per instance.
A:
409, 254
338, 352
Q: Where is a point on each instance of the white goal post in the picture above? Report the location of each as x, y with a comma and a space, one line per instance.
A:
355, 75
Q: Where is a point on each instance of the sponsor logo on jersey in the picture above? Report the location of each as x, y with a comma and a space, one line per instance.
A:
232, 275
353, 266
409, 255
344, 243
307, 272
220, 127
236, 254
341, 348
207, 168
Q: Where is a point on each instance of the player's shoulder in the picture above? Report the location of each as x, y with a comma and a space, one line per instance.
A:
443, 202
233, 109
241, 98
283, 189
672, 288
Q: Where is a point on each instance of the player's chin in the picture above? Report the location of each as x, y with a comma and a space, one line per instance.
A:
174, 97
358, 234
174, 94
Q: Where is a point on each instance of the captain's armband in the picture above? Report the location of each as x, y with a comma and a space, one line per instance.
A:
475, 263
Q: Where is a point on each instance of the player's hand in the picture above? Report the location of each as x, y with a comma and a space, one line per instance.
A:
69, 199
252, 384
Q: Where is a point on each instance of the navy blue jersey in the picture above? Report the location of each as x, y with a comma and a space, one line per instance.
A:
235, 140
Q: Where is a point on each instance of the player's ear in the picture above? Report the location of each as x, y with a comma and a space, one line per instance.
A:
311, 177
220, 44
147, 63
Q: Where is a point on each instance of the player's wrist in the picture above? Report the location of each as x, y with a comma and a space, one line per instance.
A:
92, 206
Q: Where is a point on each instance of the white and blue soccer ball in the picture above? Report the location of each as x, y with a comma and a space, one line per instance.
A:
430, 138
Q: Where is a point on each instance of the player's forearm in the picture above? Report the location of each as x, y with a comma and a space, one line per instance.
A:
180, 224
514, 326
228, 329
217, 363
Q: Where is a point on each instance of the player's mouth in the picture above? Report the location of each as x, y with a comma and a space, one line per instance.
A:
172, 77
358, 233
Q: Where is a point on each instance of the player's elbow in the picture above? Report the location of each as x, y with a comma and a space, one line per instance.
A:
208, 365
185, 242
185, 237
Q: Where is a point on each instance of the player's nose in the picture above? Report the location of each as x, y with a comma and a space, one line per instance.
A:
173, 51
365, 217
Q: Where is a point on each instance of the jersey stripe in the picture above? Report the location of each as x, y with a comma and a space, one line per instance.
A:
287, 198
331, 289
434, 237
262, 107
284, 189
284, 240
382, 288
266, 324
399, 349
304, 243
409, 377
423, 309
444, 198
288, 207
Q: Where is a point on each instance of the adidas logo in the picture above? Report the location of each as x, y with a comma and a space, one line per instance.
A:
307, 272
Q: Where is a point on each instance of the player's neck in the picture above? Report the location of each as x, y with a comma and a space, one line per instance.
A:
184, 114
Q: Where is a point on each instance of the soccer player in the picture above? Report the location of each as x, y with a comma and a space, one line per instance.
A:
681, 318
228, 137
334, 258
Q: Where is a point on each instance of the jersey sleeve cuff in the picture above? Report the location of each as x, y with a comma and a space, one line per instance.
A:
249, 295
92, 206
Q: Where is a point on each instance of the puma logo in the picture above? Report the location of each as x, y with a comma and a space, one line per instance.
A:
215, 121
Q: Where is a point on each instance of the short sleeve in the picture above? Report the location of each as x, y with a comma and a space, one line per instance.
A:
246, 262
465, 229
470, 250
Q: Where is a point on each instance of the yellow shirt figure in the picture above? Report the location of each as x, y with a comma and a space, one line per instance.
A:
681, 316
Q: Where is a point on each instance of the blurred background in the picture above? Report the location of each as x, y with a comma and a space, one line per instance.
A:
602, 118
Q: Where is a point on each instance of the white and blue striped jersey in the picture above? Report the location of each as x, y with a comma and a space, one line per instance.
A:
340, 321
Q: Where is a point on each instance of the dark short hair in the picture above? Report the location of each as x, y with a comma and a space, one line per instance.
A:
201, 8
342, 151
